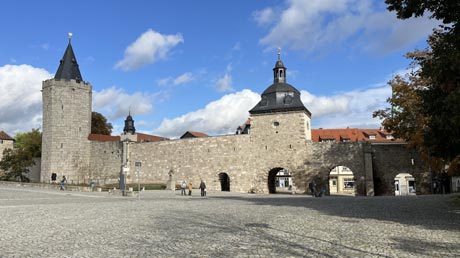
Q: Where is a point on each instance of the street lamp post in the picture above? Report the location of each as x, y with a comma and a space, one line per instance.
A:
138, 165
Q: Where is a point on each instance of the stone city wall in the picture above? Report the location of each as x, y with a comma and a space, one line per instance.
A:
193, 160
105, 163
322, 157
391, 159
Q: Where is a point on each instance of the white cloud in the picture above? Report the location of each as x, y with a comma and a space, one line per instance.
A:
164, 81
353, 109
222, 116
115, 103
45, 46
264, 16
21, 98
184, 78
150, 47
236, 47
181, 79
325, 24
224, 83
340, 110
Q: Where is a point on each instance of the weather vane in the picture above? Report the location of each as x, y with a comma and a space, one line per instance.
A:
279, 52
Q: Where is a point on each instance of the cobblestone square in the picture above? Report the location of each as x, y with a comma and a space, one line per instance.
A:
52, 223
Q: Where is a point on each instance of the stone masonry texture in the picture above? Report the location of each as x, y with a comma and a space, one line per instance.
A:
66, 126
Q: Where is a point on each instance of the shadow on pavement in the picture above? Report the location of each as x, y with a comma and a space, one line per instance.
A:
435, 212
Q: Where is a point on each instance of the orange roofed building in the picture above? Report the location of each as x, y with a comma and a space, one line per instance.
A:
190, 134
353, 135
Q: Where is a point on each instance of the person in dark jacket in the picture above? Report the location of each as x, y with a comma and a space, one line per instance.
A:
312, 186
203, 188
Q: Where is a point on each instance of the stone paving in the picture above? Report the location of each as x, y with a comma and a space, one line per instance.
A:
52, 223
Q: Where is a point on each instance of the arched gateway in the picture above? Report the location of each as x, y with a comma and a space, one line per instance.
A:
224, 180
279, 181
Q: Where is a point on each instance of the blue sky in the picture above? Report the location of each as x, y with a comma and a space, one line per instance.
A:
201, 65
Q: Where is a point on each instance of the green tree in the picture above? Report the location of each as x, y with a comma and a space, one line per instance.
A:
99, 124
445, 10
16, 162
438, 126
30, 142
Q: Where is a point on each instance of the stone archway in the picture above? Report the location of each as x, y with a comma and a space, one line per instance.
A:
279, 181
404, 184
224, 182
342, 181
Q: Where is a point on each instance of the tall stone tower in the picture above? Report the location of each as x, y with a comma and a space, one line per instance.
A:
280, 119
66, 122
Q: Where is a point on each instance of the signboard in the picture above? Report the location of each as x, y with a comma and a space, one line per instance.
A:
138, 164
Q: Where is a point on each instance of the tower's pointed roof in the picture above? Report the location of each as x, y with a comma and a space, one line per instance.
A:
68, 67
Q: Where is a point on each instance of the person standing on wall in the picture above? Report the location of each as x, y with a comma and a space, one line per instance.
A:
203, 188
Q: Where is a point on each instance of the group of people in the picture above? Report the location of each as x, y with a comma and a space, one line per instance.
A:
184, 186
313, 191
62, 183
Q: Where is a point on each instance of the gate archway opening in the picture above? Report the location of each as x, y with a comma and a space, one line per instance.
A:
342, 181
224, 182
404, 184
279, 181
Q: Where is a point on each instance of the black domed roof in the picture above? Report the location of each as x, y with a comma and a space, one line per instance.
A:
279, 64
278, 87
280, 96
129, 125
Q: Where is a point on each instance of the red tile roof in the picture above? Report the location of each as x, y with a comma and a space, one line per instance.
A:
141, 137
194, 134
351, 134
5, 136
103, 138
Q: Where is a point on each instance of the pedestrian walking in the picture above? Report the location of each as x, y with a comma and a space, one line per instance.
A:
203, 188
91, 184
312, 186
182, 187
63, 181
190, 188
